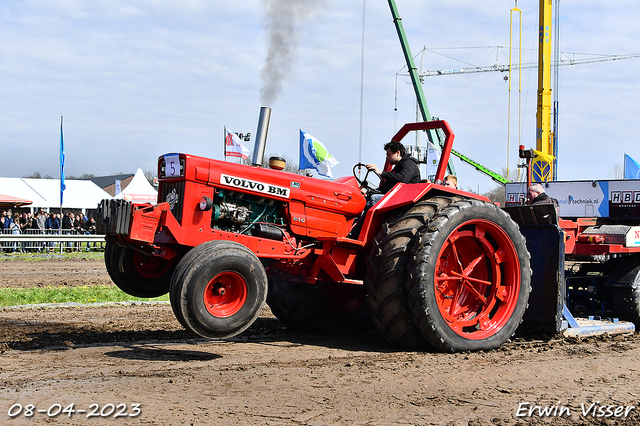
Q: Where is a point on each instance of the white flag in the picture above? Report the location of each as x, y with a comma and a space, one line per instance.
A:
314, 155
234, 146
433, 158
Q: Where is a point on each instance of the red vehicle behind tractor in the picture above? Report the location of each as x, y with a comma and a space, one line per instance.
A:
430, 264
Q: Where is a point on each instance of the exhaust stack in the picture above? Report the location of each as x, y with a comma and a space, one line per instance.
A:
261, 136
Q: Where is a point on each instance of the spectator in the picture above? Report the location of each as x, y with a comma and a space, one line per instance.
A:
15, 230
34, 228
28, 225
451, 181
78, 226
90, 226
34, 223
537, 195
56, 223
6, 221
90, 229
49, 226
48, 223
23, 222
42, 218
67, 223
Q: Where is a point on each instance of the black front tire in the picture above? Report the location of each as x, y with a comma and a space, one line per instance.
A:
219, 289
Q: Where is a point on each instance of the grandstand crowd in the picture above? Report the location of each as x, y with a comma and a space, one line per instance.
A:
41, 222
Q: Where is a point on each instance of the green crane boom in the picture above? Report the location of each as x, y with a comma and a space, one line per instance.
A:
434, 137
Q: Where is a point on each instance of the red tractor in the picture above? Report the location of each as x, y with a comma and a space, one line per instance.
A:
430, 264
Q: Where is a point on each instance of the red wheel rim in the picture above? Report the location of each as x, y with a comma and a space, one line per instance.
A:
150, 266
477, 279
225, 294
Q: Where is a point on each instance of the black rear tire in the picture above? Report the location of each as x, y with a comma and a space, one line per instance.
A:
324, 307
219, 289
136, 273
471, 277
387, 274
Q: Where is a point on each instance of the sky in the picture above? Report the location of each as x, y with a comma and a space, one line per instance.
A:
135, 79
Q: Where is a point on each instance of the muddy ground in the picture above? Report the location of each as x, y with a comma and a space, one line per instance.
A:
139, 354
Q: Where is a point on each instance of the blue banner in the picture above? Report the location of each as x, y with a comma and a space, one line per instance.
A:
631, 168
62, 185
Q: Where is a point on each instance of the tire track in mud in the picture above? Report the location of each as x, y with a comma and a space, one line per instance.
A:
140, 353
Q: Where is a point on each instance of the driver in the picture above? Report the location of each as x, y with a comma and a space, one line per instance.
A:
406, 169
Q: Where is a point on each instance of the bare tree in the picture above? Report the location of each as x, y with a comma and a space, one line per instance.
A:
498, 194
616, 172
150, 175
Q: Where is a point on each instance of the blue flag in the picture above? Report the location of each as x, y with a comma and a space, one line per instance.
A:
62, 185
631, 168
314, 155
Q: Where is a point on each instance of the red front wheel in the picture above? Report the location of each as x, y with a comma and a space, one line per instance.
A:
225, 294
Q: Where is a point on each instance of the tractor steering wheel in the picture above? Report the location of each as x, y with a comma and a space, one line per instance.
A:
364, 183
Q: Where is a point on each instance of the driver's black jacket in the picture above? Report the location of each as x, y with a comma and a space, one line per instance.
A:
406, 171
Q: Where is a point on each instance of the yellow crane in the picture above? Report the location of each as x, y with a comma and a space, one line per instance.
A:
542, 165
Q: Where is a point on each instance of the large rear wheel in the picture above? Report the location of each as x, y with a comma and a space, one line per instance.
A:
136, 273
387, 274
219, 289
324, 307
471, 277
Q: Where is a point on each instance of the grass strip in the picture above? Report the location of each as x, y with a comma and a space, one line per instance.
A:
39, 257
84, 294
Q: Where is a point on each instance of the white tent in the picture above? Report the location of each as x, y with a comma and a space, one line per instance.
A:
139, 190
45, 193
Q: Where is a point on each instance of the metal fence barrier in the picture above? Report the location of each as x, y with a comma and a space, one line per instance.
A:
37, 240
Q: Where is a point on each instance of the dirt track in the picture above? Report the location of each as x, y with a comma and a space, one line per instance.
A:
139, 354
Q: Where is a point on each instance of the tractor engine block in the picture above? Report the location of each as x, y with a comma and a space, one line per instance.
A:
247, 214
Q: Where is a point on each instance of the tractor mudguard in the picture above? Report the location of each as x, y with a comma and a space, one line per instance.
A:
402, 195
